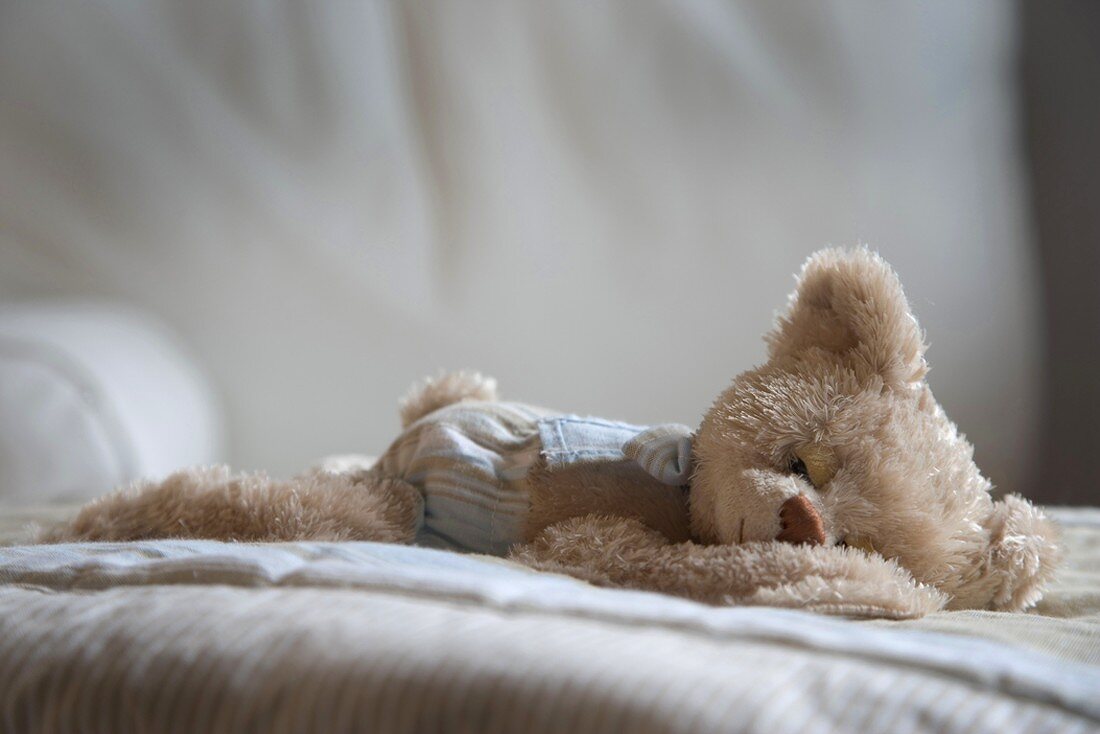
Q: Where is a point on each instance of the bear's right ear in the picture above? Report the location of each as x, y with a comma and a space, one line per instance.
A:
850, 302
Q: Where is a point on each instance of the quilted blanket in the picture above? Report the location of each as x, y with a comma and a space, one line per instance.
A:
204, 636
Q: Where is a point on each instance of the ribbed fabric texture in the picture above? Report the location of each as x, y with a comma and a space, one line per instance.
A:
227, 659
470, 461
190, 636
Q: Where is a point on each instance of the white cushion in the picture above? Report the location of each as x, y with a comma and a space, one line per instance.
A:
93, 396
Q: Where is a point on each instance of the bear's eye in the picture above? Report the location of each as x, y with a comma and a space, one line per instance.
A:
818, 464
797, 466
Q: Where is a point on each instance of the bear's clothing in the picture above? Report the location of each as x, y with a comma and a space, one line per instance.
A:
470, 463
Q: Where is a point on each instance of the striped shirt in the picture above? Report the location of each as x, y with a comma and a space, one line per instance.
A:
470, 462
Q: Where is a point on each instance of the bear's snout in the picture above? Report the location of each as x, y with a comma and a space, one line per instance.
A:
801, 522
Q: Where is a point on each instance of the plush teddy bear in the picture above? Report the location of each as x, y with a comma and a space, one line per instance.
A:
828, 478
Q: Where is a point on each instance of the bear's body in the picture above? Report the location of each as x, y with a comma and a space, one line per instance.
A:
827, 478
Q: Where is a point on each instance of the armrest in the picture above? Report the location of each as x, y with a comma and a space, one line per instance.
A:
92, 396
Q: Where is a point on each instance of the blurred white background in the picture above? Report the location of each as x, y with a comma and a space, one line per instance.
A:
601, 204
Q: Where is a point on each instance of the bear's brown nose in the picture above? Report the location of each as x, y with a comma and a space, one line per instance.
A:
801, 523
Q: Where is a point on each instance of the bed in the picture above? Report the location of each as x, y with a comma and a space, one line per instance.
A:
208, 636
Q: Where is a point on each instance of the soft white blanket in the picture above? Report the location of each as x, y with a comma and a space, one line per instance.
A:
206, 636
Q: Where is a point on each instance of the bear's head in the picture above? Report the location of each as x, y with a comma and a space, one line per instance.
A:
837, 439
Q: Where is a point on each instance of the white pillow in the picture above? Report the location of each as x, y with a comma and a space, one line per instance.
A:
92, 396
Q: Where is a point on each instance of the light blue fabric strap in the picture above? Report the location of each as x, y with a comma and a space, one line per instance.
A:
572, 439
664, 452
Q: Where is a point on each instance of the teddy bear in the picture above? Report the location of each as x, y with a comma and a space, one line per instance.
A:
827, 478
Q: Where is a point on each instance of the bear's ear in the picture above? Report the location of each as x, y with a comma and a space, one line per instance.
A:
1022, 556
850, 302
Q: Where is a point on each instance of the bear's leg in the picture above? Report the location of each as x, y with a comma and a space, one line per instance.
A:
216, 504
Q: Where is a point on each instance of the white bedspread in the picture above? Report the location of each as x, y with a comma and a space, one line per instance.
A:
206, 636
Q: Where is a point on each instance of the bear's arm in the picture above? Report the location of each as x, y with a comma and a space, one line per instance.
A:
625, 553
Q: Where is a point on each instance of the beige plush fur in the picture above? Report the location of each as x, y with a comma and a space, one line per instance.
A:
612, 551
834, 445
214, 503
845, 380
